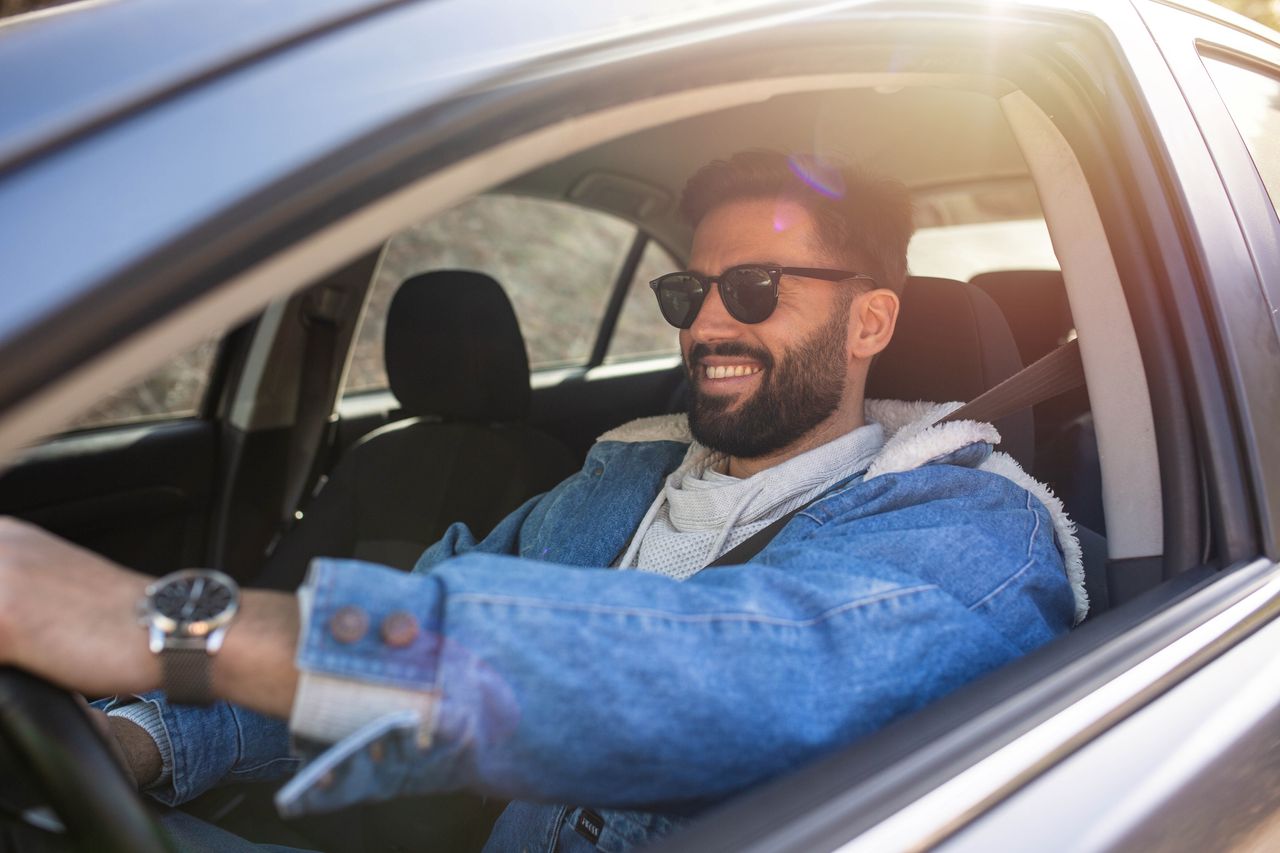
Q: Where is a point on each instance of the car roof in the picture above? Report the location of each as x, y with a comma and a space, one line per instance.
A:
128, 54
886, 130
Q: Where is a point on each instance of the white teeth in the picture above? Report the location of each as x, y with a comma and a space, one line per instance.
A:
724, 371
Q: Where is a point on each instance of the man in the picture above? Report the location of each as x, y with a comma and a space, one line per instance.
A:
911, 561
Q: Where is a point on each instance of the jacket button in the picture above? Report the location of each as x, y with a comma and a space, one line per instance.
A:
377, 751
399, 629
326, 780
348, 624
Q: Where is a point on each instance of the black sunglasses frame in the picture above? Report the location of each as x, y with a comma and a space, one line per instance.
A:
732, 302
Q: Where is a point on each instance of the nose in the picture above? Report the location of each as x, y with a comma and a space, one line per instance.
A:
714, 321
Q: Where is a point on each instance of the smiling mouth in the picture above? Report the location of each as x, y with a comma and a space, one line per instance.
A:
729, 371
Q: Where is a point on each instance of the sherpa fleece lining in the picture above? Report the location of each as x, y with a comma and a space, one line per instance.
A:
657, 428
913, 439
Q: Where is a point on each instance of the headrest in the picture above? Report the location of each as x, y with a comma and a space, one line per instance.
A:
1034, 302
454, 349
952, 343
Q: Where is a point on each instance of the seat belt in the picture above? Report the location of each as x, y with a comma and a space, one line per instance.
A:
320, 313
1056, 373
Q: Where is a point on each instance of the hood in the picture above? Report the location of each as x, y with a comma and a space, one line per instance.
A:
913, 438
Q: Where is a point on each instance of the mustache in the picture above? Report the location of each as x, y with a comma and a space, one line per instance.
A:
728, 349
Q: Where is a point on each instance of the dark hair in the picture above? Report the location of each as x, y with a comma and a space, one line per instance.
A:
860, 218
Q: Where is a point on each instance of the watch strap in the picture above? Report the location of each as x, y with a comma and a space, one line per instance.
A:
185, 674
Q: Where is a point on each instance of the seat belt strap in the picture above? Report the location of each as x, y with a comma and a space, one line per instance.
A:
1056, 373
754, 544
315, 398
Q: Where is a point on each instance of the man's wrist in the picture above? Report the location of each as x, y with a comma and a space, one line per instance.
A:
139, 751
255, 667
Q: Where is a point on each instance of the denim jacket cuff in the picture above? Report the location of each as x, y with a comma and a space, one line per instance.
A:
370, 645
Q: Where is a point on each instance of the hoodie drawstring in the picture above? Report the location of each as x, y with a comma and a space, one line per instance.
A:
730, 523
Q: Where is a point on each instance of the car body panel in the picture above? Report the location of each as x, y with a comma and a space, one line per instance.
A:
128, 55
120, 232
1197, 773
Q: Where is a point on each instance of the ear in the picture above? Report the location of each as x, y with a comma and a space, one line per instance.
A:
872, 319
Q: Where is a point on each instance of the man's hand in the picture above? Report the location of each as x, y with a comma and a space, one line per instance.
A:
69, 616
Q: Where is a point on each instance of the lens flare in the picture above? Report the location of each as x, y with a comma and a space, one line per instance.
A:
785, 216
821, 177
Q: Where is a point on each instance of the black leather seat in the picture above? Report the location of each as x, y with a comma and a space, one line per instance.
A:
1035, 304
952, 343
456, 361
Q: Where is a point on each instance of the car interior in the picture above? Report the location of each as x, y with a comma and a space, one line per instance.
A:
436, 368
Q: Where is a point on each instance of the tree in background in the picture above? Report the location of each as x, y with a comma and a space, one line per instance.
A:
17, 7
1263, 11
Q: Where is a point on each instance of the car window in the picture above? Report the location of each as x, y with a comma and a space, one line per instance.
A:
969, 229
556, 261
174, 391
641, 331
1253, 99
962, 251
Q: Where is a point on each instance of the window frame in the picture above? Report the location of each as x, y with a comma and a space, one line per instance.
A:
1231, 56
206, 407
1237, 237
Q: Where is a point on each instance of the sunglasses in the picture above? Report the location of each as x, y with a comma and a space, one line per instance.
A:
749, 291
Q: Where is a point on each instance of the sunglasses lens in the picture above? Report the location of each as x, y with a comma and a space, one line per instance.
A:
749, 293
679, 296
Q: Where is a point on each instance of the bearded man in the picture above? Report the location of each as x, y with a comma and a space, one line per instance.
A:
712, 601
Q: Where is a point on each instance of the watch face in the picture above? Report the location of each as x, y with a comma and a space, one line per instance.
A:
197, 598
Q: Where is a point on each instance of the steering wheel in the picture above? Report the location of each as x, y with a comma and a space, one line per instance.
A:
59, 745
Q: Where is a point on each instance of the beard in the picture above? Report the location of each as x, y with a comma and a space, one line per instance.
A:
801, 391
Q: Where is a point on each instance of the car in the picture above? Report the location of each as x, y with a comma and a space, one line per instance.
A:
207, 209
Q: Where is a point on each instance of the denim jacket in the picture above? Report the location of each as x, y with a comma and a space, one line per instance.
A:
558, 681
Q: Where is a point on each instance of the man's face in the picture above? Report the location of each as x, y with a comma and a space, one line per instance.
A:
758, 387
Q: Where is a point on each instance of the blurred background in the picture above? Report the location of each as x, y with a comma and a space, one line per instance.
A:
1264, 11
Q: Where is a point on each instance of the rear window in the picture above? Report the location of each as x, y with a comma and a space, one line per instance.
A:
981, 227
963, 251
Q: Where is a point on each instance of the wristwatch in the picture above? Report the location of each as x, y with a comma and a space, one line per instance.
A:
187, 615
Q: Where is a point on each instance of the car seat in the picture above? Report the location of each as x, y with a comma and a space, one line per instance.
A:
457, 364
1035, 304
953, 342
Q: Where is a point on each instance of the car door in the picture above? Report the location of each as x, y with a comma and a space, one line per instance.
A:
1053, 687
1229, 74
134, 477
